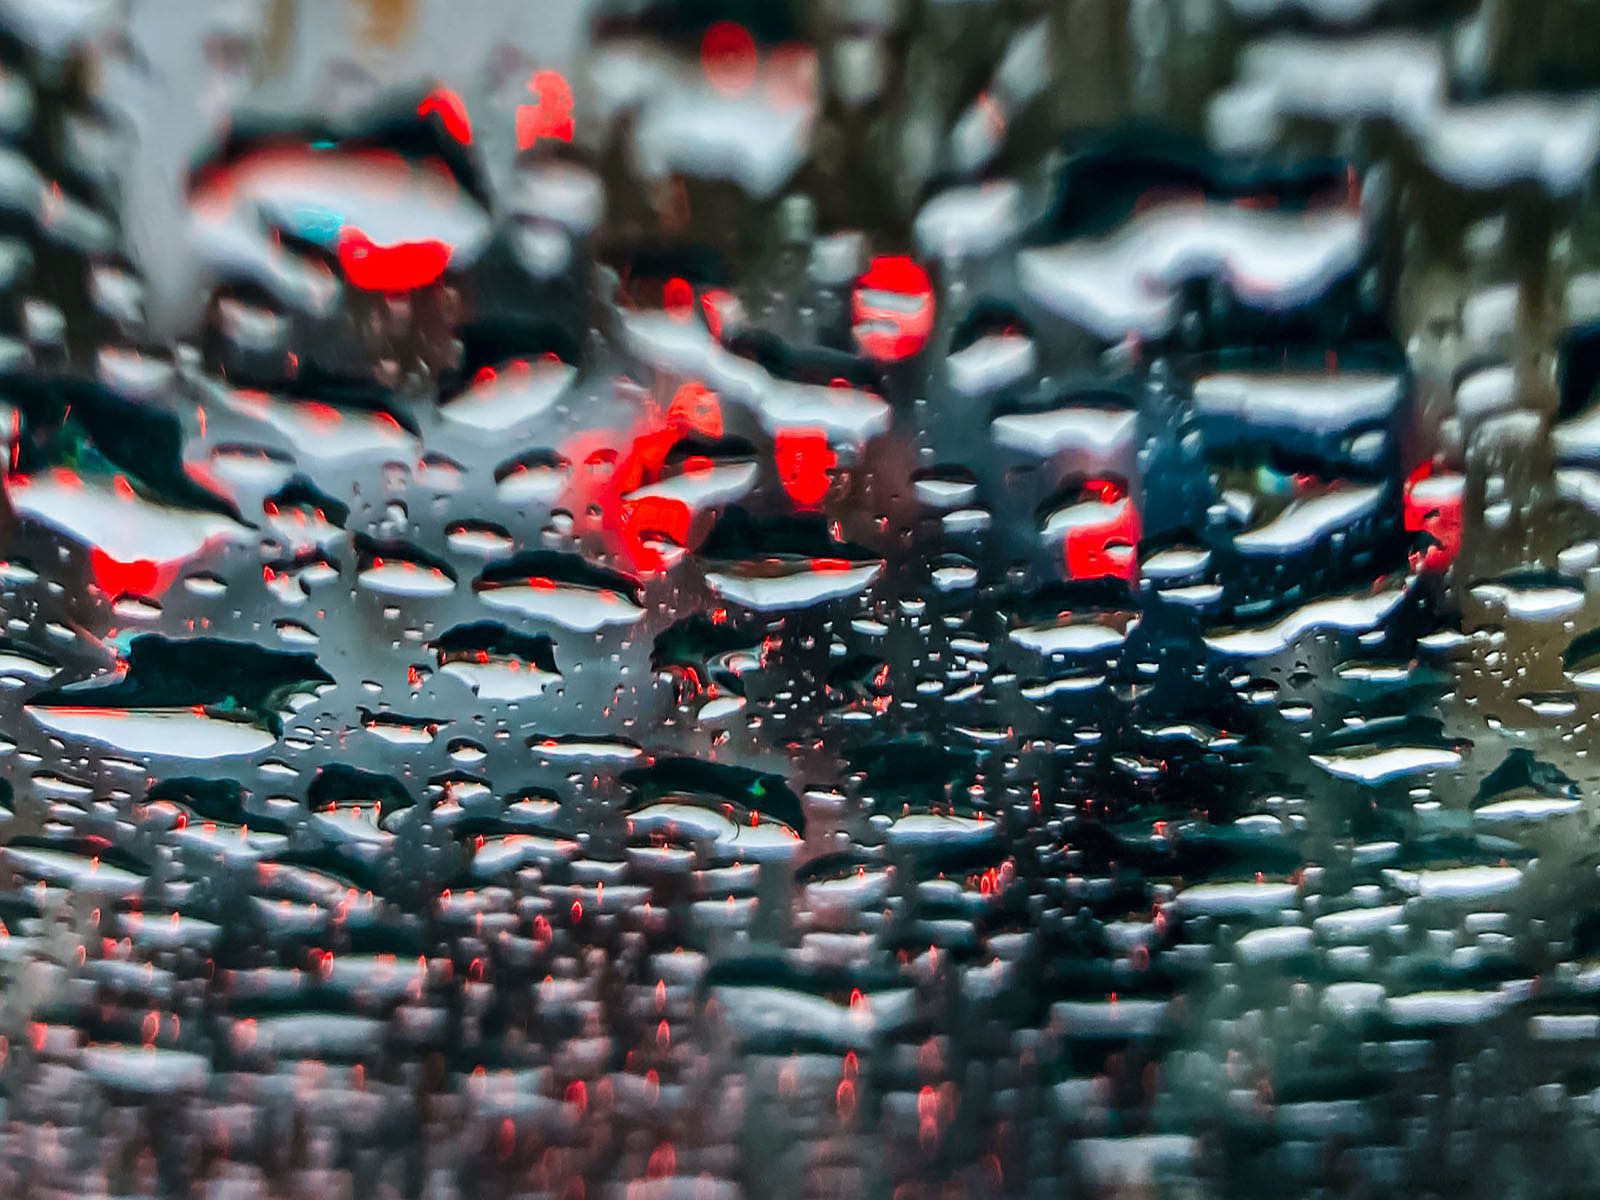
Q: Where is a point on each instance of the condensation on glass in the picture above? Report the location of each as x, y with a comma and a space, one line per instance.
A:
781, 598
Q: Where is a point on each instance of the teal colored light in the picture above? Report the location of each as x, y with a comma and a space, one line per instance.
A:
314, 223
1273, 483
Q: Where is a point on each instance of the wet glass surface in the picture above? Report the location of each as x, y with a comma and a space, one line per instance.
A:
811, 598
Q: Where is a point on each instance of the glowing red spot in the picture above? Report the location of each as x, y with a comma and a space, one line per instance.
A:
844, 1098
452, 113
631, 522
893, 308
402, 267
142, 577
728, 54
663, 1162
1109, 490
653, 516
713, 304
551, 116
678, 299
804, 459
1433, 501
1106, 547
696, 407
